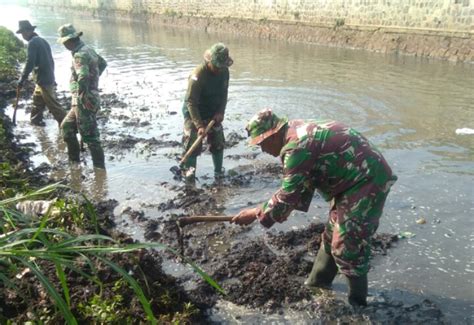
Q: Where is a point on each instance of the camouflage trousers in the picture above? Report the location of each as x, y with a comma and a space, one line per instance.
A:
353, 220
45, 96
82, 120
215, 137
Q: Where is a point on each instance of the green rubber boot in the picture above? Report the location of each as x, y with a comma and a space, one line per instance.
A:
217, 160
324, 270
73, 149
358, 288
97, 154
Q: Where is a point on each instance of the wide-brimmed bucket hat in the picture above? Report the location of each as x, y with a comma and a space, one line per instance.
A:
67, 32
24, 25
218, 55
263, 125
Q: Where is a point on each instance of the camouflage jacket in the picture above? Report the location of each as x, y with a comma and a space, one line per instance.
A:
206, 94
326, 156
86, 68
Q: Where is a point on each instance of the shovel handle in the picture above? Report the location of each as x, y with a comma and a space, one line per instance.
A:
196, 143
189, 220
16, 105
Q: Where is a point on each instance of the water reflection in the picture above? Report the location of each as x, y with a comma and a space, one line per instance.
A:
52, 146
92, 183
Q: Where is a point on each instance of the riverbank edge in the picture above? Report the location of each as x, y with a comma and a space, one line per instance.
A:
168, 300
451, 46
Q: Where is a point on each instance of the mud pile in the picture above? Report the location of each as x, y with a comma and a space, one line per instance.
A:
266, 274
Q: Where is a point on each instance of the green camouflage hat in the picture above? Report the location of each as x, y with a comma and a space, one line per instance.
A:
264, 124
218, 55
67, 32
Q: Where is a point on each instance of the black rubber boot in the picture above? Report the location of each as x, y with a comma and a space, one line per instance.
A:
97, 154
38, 122
219, 172
324, 270
36, 116
358, 288
217, 160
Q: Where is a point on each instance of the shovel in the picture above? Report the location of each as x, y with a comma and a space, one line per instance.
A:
16, 105
177, 170
183, 221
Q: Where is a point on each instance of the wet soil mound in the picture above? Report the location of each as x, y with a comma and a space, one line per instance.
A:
309, 236
267, 274
264, 273
261, 278
232, 139
191, 201
127, 142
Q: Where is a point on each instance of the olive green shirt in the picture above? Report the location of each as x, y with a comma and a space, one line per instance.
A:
206, 94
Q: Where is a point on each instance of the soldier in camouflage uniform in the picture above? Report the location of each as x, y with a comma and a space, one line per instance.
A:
86, 68
206, 100
346, 170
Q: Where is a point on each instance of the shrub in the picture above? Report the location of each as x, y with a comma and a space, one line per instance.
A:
12, 52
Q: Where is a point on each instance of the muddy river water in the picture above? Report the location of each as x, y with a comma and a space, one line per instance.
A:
417, 111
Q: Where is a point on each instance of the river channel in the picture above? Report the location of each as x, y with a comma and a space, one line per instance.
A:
417, 111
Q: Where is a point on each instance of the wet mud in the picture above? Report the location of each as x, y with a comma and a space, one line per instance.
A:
264, 274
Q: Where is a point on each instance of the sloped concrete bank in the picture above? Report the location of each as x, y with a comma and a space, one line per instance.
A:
455, 45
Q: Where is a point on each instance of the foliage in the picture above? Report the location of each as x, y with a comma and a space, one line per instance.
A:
339, 22
172, 13
11, 178
12, 51
106, 310
179, 318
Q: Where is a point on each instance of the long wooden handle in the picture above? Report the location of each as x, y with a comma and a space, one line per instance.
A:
16, 106
189, 220
197, 143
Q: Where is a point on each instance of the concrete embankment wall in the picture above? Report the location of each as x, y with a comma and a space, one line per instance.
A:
441, 29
